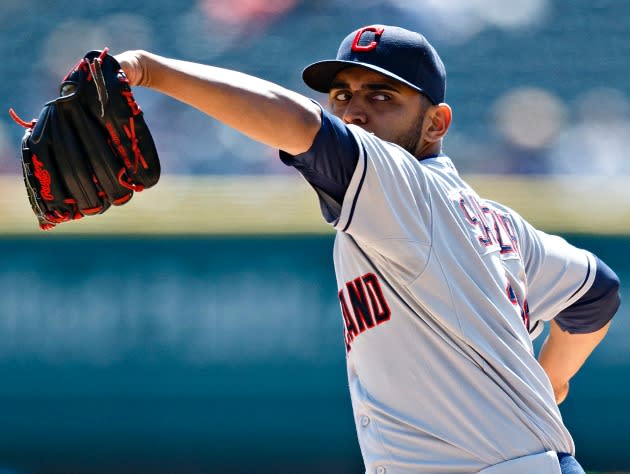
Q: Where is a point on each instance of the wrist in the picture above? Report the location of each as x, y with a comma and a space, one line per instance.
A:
145, 61
139, 61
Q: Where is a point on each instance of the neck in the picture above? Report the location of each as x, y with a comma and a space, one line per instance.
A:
426, 149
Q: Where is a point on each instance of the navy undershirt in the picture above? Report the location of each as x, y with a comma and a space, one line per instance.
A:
596, 307
329, 165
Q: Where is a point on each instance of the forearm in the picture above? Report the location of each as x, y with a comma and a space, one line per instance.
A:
262, 110
563, 353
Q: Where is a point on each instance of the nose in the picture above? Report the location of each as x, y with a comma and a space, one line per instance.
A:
354, 113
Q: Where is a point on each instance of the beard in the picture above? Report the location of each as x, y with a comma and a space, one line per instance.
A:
410, 139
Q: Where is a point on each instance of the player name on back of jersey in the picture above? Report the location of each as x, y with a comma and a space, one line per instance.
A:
492, 228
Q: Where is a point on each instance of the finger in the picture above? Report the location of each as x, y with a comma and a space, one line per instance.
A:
130, 66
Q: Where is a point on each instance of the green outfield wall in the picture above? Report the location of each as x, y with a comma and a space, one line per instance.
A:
213, 354
286, 204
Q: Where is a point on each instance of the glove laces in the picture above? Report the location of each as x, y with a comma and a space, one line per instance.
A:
19, 121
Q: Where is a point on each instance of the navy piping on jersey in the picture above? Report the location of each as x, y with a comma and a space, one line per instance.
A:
329, 164
533, 328
356, 195
568, 463
588, 273
596, 307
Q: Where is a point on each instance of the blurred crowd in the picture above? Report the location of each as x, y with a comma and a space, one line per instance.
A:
536, 86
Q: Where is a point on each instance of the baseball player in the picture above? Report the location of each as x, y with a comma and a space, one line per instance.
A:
441, 291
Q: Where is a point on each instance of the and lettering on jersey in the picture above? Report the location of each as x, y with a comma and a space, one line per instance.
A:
363, 306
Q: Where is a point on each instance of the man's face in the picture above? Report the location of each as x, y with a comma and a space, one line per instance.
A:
387, 108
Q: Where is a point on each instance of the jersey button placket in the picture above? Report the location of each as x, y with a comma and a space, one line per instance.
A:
365, 420
380, 470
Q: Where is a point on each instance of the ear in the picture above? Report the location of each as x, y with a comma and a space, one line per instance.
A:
437, 120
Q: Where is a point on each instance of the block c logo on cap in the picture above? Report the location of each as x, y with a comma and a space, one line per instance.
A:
368, 47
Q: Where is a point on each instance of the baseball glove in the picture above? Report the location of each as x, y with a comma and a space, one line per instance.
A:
90, 148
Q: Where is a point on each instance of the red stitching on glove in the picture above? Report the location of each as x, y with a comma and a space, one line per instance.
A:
46, 226
127, 183
56, 217
122, 200
92, 210
43, 176
131, 134
103, 54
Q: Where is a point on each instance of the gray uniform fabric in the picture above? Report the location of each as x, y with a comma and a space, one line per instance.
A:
438, 289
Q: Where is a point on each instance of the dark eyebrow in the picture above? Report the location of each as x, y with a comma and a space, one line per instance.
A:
373, 86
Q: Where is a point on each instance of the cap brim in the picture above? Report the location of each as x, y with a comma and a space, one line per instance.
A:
320, 75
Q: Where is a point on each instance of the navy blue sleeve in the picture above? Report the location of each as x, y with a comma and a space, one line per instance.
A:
598, 305
329, 164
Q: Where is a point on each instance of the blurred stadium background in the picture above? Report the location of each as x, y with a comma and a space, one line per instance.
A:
196, 329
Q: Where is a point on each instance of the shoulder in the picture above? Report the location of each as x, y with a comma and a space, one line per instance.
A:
388, 157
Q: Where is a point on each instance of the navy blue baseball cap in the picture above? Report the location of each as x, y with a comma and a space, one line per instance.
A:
403, 55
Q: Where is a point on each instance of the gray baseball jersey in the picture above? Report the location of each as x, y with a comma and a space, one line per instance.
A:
441, 292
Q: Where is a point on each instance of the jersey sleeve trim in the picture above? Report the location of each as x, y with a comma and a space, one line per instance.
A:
588, 280
537, 329
328, 165
582, 289
588, 275
596, 307
353, 191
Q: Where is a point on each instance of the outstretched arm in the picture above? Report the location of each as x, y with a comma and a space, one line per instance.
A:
262, 110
